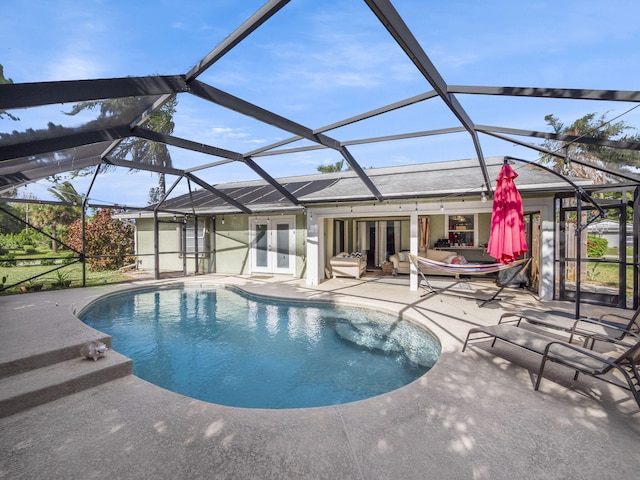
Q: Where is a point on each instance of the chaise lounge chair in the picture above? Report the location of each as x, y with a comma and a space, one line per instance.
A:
582, 326
580, 359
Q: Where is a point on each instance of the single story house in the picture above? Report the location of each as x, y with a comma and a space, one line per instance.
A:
337, 213
610, 230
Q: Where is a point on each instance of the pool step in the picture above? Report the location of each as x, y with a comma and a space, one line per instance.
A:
44, 384
32, 358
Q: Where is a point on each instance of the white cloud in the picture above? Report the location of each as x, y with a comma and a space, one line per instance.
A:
226, 132
72, 66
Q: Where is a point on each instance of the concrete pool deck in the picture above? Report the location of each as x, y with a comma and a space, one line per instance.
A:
474, 415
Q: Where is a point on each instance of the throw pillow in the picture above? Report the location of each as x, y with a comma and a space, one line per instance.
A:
459, 260
403, 256
450, 258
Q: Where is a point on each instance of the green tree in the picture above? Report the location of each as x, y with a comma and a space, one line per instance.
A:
9, 224
114, 111
56, 218
333, 167
108, 240
597, 127
4, 113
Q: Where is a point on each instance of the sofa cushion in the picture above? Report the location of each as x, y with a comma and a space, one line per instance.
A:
439, 255
403, 256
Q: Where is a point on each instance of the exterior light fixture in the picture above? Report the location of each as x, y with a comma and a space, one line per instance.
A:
441, 206
483, 197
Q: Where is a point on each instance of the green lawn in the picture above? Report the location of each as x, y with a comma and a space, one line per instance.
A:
612, 252
607, 274
72, 272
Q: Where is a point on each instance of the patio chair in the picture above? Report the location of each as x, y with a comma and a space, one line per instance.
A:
580, 359
582, 326
596, 365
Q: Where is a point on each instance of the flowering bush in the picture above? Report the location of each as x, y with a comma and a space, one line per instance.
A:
105, 236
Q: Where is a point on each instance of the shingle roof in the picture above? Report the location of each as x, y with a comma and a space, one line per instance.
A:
423, 181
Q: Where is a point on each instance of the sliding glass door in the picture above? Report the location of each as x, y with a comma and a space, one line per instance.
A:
379, 240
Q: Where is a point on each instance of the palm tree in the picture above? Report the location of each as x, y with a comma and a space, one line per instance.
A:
117, 110
333, 167
57, 216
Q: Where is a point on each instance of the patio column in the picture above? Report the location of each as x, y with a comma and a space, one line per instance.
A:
547, 254
413, 248
315, 261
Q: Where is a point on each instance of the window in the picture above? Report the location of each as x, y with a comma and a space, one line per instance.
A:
461, 230
339, 235
191, 237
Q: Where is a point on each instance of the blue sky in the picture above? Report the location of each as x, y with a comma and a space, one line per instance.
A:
318, 62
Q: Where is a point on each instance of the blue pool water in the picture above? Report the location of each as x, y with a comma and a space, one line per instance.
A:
225, 347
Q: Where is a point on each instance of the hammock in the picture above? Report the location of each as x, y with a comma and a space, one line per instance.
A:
469, 268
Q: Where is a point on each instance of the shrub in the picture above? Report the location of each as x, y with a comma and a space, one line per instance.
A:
8, 260
596, 246
105, 236
11, 241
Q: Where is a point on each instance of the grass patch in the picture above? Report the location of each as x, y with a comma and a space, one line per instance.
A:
71, 272
607, 274
613, 252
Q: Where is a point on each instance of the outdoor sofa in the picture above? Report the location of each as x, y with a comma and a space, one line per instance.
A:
402, 263
348, 265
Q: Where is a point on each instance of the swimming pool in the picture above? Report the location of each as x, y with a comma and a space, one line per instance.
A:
226, 347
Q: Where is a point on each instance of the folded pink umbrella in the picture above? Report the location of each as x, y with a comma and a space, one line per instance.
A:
507, 239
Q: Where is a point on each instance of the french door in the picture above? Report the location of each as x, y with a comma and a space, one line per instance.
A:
273, 245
